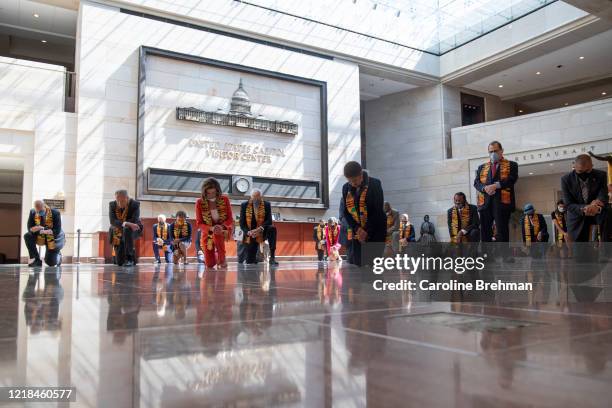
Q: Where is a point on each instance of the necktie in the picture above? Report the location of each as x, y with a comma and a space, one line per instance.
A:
493, 170
584, 186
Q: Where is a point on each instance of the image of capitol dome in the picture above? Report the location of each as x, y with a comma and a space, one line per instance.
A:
241, 103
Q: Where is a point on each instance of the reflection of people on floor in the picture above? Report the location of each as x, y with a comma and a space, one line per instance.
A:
392, 225
333, 284
180, 233
494, 181
562, 238
534, 231
319, 239
44, 229
500, 349
161, 239
405, 234
123, 304
428, 231
256, 223
332, 239
41, 305
585, 195
125, 227
214, 222
361, 207
463, 221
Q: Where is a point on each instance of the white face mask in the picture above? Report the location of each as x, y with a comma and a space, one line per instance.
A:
561, 209
211, 199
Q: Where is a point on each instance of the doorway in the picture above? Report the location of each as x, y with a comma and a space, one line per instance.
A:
11, 194
472, 109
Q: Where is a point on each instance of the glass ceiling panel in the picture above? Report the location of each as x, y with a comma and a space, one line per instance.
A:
435, 26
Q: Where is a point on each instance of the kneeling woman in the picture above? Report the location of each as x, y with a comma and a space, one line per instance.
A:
180, 234
214, 222
332, 239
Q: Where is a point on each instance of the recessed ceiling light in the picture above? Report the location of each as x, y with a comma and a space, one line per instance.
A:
43, 41
581, 58
500, 86
551, 164
603, 93
566, 103
520, 111
538, 73
35, 15
531, 173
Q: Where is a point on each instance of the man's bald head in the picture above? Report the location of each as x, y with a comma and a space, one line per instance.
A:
583, 163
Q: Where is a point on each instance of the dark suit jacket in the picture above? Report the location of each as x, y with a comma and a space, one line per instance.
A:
155, 236
183, 239
243, 223
572, 195
58, 233
505, 184
376, 224
474, 222
133, 215
314, 234
543, 228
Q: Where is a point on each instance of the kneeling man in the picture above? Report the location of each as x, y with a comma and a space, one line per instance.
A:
126, 227
44, 229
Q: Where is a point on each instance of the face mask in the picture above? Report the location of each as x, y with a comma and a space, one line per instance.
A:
459, 205
561, 209
211, 199
255, 202
494, 157
583, 176
41, 212
530, 212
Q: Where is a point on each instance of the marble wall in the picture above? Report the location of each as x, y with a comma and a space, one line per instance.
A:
107, 66
407, 133
406, 149
168, 142
36, 132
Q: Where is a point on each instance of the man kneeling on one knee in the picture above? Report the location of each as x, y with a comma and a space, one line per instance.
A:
180, 233
44, 229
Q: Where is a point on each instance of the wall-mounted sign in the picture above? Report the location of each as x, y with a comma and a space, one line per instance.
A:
239, 116
237, 151
57, 204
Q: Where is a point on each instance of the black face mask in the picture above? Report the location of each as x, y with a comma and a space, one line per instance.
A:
583, 176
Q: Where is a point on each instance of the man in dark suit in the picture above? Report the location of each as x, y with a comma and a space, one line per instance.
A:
585, 194
162, 239
44, 229
494, 182
256, 224
463, 222
125, 227
318, 235
361, 206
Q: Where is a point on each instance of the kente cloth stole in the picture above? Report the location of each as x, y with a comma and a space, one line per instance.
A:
48, 240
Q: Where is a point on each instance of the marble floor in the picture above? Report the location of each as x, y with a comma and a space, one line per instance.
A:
301, 334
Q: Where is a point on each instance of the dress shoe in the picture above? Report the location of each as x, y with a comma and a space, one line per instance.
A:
273, 262
35, 263
129, 263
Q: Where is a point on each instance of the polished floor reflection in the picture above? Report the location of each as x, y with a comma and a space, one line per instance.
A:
304, 334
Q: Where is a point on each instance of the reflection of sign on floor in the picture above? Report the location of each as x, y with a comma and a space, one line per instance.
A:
57, 204
468, 322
